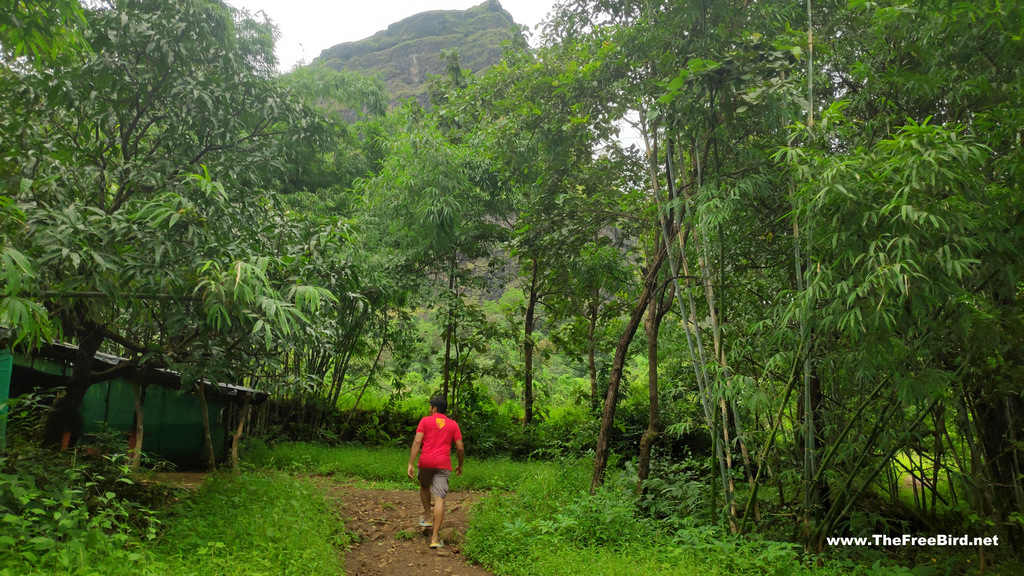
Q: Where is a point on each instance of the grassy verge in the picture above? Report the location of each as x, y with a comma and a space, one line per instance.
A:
542, 521
385, 468
255, 524
551, 525
539, 520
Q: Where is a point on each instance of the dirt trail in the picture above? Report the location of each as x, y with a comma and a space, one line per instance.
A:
383, 523
389, 540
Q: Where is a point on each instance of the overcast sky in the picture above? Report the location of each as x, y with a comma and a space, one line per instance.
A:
310, 26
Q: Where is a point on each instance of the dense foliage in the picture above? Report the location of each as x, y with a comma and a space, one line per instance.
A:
793, 307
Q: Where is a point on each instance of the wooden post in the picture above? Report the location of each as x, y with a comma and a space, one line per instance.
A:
135, 442
211, 463
238, 432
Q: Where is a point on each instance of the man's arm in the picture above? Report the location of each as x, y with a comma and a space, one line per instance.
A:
412, 454
461, 452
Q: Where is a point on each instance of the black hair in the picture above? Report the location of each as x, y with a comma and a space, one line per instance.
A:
439, 402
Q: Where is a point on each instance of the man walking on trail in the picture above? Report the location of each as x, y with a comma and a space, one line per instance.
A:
435, 434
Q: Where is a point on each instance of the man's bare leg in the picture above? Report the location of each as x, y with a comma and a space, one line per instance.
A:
438, 518
425, 499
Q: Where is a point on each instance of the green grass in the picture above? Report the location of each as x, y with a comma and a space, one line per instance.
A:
551, 526
257, 524
385, 468
648, 559
539, 520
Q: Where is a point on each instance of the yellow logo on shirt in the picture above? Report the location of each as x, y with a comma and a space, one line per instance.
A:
440, 422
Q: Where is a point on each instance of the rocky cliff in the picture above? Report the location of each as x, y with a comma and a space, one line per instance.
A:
408, 52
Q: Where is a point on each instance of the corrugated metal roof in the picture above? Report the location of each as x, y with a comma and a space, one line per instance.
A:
65, 352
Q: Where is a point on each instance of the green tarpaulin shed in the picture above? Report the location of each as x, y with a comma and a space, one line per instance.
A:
6, 367
172, 412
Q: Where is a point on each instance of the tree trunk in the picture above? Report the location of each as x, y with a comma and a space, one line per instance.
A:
728, 417
340, 369
238, 432
341, 363
615, 377
528, 347
810, 410
998, 422
656, 310
139, 428
591, 348
939, 452
64, 416
449, 331
369, 374
211, 459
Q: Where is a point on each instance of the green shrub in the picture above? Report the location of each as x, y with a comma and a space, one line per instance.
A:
376, 421
255, 453
674, 491
489, 431
567, 431
68, 511
81, 513
513, 411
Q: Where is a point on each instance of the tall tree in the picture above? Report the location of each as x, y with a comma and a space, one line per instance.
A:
539, 122
904, 192
710, 103
429, 213
133, 242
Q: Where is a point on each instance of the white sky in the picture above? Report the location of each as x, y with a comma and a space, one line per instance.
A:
310, 26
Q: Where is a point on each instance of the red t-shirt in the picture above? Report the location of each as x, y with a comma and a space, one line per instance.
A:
439, 432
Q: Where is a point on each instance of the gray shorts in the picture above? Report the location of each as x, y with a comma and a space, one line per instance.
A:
436, 479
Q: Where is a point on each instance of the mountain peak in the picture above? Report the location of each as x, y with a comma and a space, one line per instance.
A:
408, 52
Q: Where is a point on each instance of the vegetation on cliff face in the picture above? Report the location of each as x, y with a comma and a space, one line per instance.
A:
409, 52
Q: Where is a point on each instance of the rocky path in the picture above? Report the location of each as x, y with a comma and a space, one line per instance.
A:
389, 541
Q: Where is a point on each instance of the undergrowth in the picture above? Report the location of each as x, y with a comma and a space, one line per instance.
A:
551, 525
72, 514
63, 513
265, 523
84, 514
